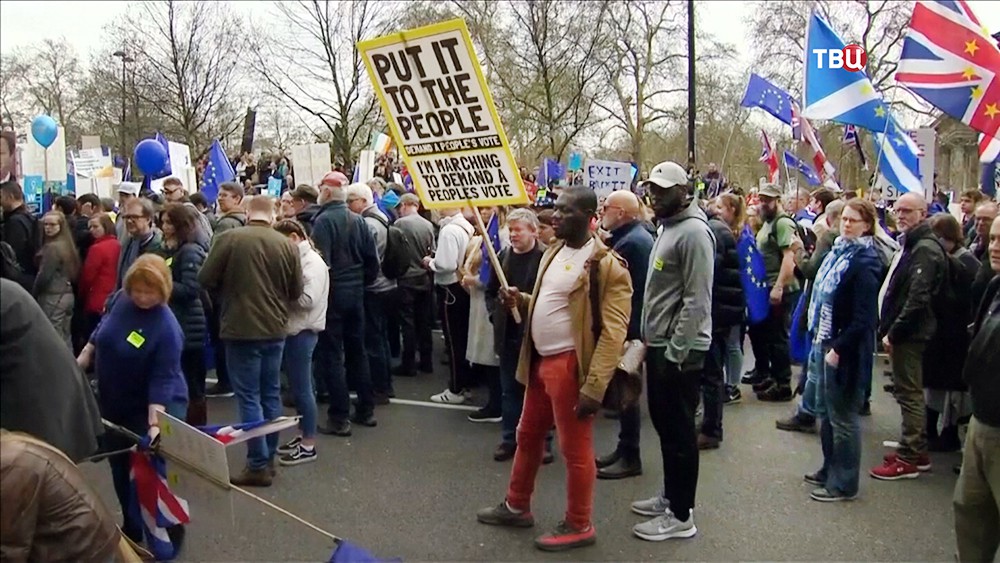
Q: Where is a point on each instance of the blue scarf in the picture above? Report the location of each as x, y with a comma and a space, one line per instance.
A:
831, 272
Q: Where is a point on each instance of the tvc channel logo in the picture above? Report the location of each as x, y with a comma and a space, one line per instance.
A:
852, 57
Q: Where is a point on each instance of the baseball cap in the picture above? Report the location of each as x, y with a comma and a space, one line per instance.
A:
130, 188
667, 174
334, 179
769, 190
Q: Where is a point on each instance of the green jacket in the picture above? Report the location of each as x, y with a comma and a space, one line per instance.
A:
257, 274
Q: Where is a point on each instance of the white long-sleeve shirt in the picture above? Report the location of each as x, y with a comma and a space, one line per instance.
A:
453, 239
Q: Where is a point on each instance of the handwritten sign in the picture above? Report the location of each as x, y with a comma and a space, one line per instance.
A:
442, 116
195, 448
312, 162
606, 176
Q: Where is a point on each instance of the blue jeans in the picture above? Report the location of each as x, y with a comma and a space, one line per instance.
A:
734, 356
814, 365
376, 342
342, 345
298, 368
840, 433
255, 373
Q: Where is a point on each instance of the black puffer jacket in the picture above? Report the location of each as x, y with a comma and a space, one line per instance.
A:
728, 301
908, 307
308, 216
186, 300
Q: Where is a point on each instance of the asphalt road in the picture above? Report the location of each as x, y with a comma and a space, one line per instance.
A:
410, 489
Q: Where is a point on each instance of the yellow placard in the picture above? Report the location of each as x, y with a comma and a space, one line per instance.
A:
442, 117
135, 339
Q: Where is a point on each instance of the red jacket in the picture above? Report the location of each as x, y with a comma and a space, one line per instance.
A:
99, 274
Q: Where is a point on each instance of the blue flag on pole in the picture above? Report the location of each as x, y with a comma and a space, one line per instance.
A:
217, 170
753, 276
167, 170
793, 161
493, 232
761, 93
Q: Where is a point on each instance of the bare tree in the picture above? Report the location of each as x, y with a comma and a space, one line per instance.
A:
44, 78
13, 111
543, 58
777, 35
187, 67
314, 67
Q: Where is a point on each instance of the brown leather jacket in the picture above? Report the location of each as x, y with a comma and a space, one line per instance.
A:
49, 512
596, 361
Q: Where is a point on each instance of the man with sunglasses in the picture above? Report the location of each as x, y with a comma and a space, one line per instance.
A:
174, 192
907, 322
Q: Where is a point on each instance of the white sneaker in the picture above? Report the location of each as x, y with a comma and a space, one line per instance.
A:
655, 506
448, 398
665, 527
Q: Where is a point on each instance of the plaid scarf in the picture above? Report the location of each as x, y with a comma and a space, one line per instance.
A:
831, 272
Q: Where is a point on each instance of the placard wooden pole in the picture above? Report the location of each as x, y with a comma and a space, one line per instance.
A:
494, 260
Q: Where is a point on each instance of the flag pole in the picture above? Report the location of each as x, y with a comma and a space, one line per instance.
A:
725, 151
881, 146
492, 253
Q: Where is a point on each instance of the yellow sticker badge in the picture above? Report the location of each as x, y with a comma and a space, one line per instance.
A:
658, 264
136, 339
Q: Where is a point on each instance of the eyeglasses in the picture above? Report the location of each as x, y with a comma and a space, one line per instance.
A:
902, 211
134, 217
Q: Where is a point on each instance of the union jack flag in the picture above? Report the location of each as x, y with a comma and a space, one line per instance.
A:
825, 168
768, 156
851, 139
989, 149
951, 61
229, 434
155, 505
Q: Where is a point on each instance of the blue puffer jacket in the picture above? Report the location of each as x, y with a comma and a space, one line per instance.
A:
186, 300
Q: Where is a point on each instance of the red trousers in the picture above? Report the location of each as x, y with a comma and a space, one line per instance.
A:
551, 397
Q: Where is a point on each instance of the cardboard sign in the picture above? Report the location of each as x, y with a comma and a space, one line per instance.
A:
193, 447
926, 140
48, 163
606, 176
312, 162
442, 116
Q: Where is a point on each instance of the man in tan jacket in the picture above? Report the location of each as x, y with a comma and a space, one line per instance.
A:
568, 357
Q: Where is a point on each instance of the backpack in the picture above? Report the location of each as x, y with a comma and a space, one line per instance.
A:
807, 236
396, 261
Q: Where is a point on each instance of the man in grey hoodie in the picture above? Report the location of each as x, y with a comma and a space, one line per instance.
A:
677, 326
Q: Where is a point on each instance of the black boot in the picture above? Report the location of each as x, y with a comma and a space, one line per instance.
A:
629, 464
947, 442
930, 427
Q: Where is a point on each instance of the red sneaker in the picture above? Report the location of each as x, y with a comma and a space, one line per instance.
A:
566, 537
923, 462
894, 470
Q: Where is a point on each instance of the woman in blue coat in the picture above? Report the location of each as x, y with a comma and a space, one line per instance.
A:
842, 318
185, 248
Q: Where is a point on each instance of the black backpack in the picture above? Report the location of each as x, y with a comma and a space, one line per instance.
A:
396, 261
807, 236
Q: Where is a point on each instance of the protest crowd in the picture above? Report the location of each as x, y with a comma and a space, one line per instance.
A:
313, 298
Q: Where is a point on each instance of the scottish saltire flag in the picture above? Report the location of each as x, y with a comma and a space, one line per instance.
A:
154, 504
236, 433
493, 232
951, 61
761, 93
768, 156
897, 158
217, 170
851, 139
753, 276
792, 161
837, 94
989, 148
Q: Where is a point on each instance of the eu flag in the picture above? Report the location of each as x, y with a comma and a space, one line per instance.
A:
753, 276
167, 170
217, 170
762, 94
792, 161
493, 232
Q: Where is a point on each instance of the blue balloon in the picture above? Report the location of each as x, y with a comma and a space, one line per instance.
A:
150, 156
44, 130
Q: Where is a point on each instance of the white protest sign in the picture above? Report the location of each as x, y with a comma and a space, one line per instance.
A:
442, 116
90, 142
34, 163
606, 176
193, 447
180, 167
311, 162
88, 163
366, 166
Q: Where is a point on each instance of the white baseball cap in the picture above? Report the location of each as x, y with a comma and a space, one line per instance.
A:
667, 174
131, 188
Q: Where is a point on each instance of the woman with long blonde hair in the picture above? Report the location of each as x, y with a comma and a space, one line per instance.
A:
57, 271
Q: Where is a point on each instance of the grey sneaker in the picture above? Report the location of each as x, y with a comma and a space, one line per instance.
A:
655, 506
665, 527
